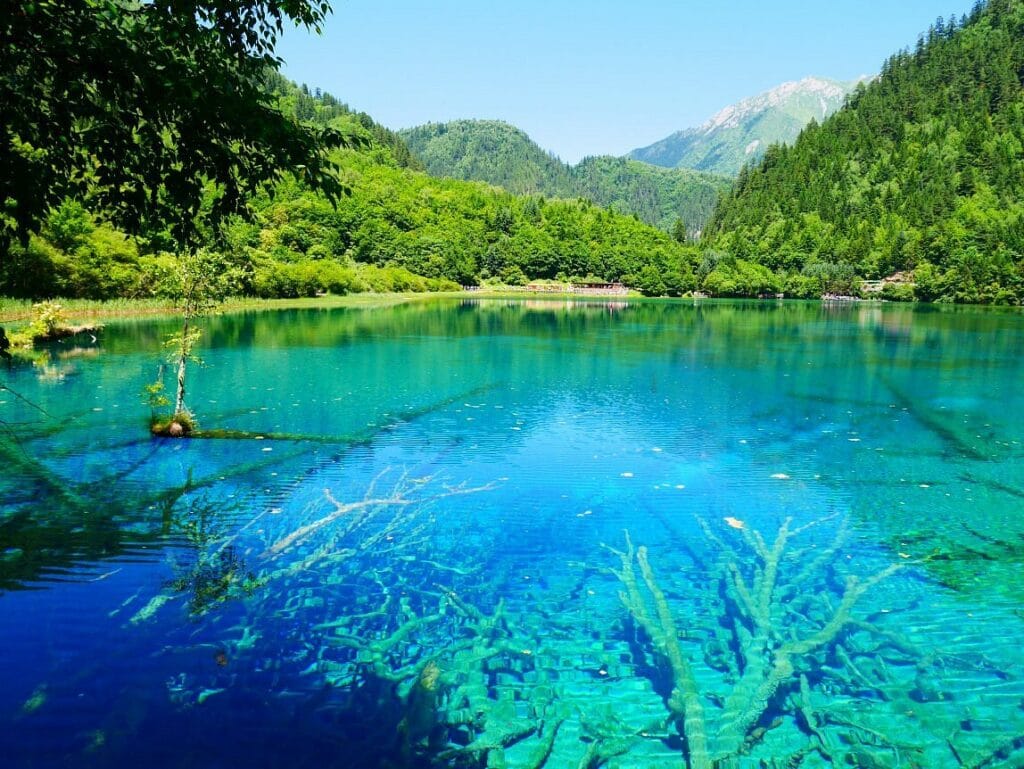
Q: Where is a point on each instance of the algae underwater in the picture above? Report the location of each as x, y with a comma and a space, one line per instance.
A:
524, 534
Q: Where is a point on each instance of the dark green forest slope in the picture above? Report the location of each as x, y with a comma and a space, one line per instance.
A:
323, 109
497, 153
398, 229
489, 151
922, 171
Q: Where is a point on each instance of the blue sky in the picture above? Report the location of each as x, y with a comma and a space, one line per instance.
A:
591, 78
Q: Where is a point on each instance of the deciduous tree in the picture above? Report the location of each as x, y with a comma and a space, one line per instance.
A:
140, 109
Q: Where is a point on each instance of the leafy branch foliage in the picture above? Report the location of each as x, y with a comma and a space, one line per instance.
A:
153, 114
398, 229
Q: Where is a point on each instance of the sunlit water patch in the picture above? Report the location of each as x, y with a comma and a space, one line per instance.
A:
484, 534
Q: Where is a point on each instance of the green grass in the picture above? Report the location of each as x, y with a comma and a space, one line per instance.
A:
17, 312
78, 310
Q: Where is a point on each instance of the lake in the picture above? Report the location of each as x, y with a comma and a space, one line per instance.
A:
487, 533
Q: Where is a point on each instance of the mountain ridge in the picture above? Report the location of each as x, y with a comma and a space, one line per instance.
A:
741, 132
499, 153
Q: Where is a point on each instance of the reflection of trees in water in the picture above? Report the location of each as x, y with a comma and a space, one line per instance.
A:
56, 528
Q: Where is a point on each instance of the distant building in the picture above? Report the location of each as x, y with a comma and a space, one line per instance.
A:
896, 279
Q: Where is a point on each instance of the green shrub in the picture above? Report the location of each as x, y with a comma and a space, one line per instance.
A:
898, 292
69, 225
798, 286
514, 276
650, 282
48, 320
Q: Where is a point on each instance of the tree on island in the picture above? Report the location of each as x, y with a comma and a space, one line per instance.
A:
197, 283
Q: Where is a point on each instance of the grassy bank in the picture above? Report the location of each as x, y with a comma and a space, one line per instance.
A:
15, 311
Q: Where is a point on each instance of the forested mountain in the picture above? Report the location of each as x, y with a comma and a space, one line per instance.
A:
921, 171
742, 132
674, 199
498, 153
397, 229
324, 109
489, 151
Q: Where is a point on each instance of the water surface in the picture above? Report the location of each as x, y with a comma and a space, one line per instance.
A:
524, 534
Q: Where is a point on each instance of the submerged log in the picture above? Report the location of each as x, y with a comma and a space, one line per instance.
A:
755, 583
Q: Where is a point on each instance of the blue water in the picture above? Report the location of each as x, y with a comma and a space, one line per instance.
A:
413, 550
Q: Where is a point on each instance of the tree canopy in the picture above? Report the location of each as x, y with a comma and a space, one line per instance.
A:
398, 229
154, 114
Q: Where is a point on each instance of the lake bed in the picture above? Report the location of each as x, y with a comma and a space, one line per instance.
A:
526, 534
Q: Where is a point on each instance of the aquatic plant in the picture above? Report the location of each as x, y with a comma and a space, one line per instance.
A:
212, 571
380, 523
211, 579
437, 663
426, 661
764, 637
607, 736
489, 724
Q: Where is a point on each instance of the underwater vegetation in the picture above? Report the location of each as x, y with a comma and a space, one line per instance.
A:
822, 580
748, 651
776, 627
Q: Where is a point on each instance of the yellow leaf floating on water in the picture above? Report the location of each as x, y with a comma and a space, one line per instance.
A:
736, 523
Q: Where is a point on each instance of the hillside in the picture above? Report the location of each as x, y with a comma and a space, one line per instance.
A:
324, 109
658, 196
742, 132
489, 151
397, 229
921, 171
500, 154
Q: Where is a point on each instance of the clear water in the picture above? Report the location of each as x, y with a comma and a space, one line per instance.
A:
231, 602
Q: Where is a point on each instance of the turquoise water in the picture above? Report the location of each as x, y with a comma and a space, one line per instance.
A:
416, 553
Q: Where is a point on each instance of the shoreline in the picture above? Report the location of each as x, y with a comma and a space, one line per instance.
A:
14, 312
18, 310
